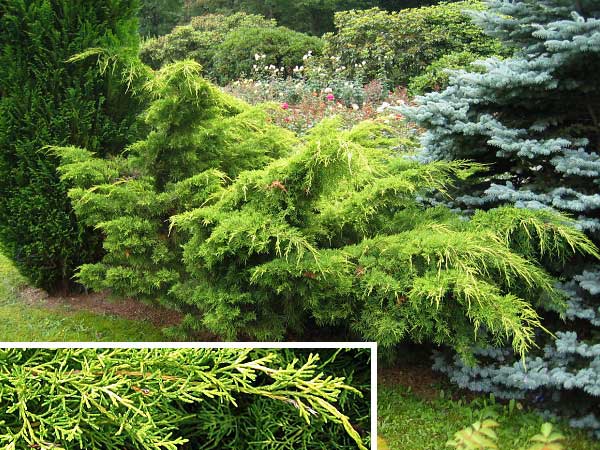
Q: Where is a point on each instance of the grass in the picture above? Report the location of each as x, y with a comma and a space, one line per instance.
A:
24, 323
408, 422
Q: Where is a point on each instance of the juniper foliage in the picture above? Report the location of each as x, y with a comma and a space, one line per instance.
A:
198, 139
534, 119
176, 398
256, 233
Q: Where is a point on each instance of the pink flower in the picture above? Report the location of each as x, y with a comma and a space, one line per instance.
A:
284, 105
330, 97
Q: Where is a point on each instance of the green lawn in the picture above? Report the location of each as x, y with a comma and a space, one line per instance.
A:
21, 323
408, 422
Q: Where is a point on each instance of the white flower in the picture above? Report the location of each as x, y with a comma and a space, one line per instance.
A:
328, 90
256, 56
355, 107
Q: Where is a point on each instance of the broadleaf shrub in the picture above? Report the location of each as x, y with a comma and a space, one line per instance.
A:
109, 399
46, 100
282, 47
437, 75
226, 45
197, 40
397, 46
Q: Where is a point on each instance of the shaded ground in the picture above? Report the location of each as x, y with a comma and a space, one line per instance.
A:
101, 303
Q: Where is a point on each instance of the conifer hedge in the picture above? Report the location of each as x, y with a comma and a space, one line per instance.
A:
45, 100
109, 399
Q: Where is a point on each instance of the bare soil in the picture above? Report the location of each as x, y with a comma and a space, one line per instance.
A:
102, 303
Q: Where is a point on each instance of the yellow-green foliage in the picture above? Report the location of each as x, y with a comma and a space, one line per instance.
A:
333, 234
253, 232
198, 139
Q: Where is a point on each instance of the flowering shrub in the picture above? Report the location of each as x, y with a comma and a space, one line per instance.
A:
302, 103
227, 46
282, 49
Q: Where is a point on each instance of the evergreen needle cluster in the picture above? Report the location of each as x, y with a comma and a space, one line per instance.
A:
175, 398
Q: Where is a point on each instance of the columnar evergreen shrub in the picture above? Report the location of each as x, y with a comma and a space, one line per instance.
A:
46, 100
199, 138
534, 119
375, 44
105, 399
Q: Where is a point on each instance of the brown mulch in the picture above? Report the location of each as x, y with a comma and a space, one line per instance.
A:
101, 303
424, 382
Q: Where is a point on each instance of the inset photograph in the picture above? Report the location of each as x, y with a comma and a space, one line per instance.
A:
185, 398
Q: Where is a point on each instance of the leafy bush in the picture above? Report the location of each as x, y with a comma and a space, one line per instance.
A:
46, 100
164, 398
481, 436
307, 16
533, 118
282, 47
395, 47
199, 40
437, 75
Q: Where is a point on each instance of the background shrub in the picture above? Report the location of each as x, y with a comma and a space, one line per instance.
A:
437, 75
198, 40
375, 44
282, 47
307, 16
46, 100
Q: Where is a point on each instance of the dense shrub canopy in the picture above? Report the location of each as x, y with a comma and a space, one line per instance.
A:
110, 399
199, 40
227, 46
533, 119
328, 231
308, 16
46, 100
397, 46
281, 46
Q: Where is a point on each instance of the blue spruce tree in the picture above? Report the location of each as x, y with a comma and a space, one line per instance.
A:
535, 120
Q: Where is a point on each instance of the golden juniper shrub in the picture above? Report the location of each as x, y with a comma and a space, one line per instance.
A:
254, 232
198, 139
